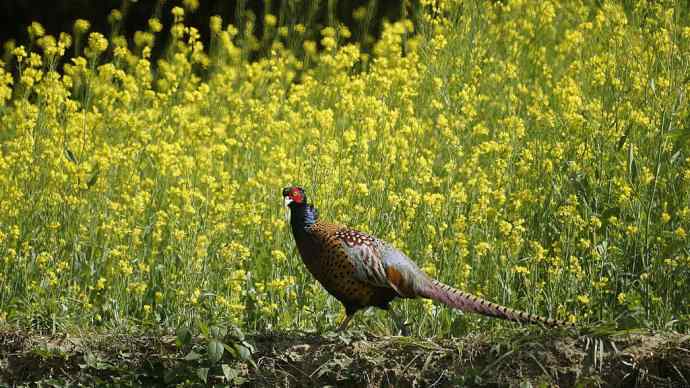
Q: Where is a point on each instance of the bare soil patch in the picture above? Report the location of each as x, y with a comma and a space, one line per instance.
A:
540, 358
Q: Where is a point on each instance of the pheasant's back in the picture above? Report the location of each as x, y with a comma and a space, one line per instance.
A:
335, 268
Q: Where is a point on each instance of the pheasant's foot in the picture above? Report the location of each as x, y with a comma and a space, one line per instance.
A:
401, 326
344, 324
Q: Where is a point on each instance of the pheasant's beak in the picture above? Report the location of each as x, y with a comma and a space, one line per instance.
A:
287, 201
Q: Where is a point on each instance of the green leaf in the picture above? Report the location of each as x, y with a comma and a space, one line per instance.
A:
621, 141
192, 356
632, 165
608, 213
217, 331
169, 376
248, 346
674, 157
70, 155
183, 336
229, 373
231, 350
215, 350
90, 359
202, 373
93, 179
236, 332
680, 138
243, 352
203, 329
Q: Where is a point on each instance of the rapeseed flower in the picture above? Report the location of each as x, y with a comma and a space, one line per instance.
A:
484, 145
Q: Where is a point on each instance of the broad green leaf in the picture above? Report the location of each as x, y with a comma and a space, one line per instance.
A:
215, 350
183, 336
217, 332
192, 356
229, 372
236, 332
243, 352
202, 373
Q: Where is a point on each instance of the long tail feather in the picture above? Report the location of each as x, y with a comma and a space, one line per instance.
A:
466, 302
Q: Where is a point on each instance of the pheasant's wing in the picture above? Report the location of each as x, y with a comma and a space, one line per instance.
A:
364, 254
379, 264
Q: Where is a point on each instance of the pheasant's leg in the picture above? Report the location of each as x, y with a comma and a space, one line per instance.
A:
345, 322
399, 322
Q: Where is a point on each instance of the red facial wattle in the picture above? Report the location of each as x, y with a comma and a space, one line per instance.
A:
297, 196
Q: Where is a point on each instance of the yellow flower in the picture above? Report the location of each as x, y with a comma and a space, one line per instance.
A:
505, 227
595, 222
359, 13
155, 25
191, 5
194, 296
81, 26
270, 20
309, 47
19, 53
115, 16
216, 24
36, 30
97, 42
328, 42
177, 12
142, 39
519, 269
328, 32
279, 256
482, 248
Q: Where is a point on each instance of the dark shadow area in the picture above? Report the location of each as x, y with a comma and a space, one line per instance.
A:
59, 16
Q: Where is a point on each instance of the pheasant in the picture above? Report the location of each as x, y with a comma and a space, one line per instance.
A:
362, 271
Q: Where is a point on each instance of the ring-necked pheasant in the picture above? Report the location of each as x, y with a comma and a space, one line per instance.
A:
361, 270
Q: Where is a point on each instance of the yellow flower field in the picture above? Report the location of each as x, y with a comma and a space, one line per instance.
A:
535, 153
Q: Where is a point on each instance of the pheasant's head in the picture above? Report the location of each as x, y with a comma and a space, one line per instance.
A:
294, 195
296, 202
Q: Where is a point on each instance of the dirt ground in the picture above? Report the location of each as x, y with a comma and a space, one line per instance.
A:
526, 358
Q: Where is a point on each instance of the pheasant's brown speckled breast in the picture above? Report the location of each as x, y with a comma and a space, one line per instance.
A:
335, 271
